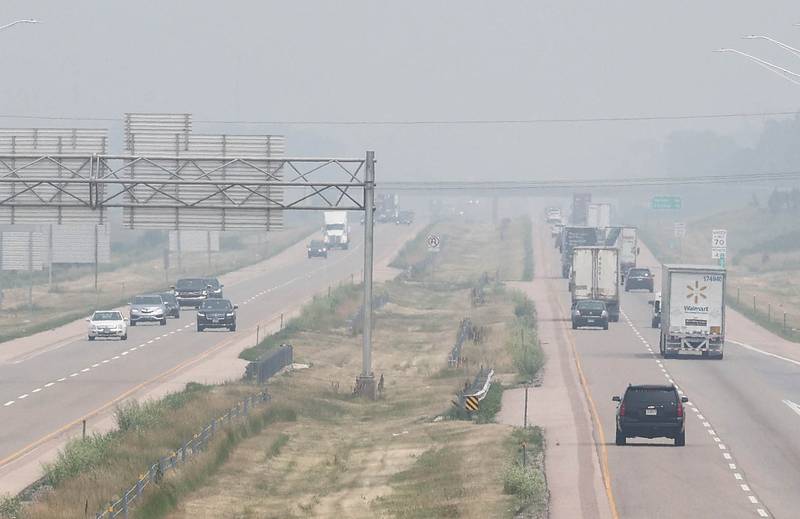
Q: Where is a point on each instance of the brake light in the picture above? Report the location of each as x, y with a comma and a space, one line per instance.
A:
622, 409
680, 409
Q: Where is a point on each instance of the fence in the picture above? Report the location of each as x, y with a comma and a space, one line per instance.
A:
765, 312
356, 321
262, 369
464, 331
155, 473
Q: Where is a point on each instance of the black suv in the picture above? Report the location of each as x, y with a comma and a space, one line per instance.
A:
640, 278
589, 313
172, 305
318, 249
651, 411
191, 291
214, 288
216, 313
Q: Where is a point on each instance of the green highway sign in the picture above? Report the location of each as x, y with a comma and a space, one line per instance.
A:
665, 202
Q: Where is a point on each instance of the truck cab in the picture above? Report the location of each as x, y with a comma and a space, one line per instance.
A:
336, 233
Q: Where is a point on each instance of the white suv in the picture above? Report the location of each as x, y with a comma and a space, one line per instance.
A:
107, 323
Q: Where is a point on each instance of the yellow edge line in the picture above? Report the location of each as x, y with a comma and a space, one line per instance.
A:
25, 450
612, 503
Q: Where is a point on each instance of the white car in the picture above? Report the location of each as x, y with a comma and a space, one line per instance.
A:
107, 323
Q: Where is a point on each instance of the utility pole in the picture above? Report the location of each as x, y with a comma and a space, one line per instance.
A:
366, 381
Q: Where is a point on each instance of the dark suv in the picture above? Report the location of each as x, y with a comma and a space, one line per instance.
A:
214, 288
317, 249
589, 313
651, 411
639, 278
191, 291
216, 313
172, 305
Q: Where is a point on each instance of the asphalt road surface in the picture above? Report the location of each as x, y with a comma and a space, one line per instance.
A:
742, 453
43, 392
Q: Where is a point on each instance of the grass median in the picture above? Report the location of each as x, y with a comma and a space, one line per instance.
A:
337, 454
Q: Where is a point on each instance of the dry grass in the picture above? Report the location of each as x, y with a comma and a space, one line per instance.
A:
347, 457
125, 455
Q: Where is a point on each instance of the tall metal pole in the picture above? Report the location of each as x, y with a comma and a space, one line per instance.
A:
366, 381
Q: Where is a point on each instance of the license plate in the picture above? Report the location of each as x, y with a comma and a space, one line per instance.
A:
589, 320
217, 320
651, 412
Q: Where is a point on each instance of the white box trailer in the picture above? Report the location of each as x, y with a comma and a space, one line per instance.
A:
628, 249
693, 310
595, 275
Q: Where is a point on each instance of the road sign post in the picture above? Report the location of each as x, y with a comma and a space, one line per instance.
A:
719, 245
434, 242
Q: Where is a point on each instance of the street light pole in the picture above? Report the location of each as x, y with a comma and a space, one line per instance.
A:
786, 74
12, 24
780, 44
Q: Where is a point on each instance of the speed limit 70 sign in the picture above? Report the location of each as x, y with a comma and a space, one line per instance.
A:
719, 243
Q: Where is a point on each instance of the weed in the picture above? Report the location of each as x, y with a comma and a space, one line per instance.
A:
490, 405
10, 507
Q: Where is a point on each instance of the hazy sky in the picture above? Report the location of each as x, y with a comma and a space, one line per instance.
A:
411, 60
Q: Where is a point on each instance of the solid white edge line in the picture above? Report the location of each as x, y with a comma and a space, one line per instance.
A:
768, 354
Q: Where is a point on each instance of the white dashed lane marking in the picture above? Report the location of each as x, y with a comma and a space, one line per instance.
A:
717, 440
49, 384
36, 390
21, 397
10, 402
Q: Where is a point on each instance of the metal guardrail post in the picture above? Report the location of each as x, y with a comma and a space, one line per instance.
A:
139, 486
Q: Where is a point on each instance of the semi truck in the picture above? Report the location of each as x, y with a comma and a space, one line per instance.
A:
572, 237
595, 276
336, 233
598, 215
628, 250
580, 206
693, 310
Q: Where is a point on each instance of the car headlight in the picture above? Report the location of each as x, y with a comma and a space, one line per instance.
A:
200, 314
604, 314
205, 292
134, 310
231, 314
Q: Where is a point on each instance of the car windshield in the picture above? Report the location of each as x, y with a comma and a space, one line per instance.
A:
190, 284
316, 244
335, 227
216, 304
639, 272
107, 316
650, 396
591, 305
147, 300
169, 298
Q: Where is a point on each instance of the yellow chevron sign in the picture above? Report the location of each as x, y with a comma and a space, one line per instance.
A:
471, 403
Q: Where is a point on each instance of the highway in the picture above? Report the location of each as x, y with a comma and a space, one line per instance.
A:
742, 453
44, 392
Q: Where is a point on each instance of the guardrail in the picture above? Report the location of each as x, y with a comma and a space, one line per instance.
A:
479, 387
262, 369
155, 473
